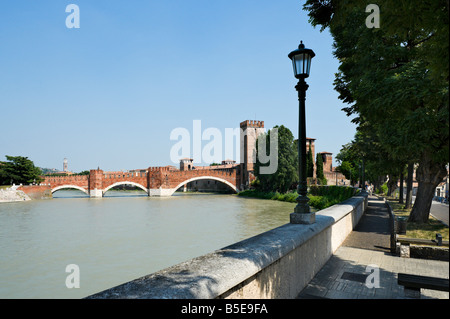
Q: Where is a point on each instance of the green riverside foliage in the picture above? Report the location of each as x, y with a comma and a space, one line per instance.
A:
319, 170
383, 189
286, 173
395, 82
320, 197
17, 170
309, 163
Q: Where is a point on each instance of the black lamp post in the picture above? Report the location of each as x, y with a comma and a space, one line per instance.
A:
301, 62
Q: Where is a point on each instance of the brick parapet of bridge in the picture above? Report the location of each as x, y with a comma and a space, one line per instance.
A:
78, 180
120, 174
161, 168
153, 178
69, 177
211, 172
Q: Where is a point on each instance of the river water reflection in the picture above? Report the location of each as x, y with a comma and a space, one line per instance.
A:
118, 238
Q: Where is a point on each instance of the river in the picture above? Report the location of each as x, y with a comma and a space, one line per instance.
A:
119, 237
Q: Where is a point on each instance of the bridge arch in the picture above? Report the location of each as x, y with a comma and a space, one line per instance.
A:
70, 186
125, 183
233, 187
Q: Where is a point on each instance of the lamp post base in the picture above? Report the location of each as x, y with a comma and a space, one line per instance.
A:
302, 218
302, 213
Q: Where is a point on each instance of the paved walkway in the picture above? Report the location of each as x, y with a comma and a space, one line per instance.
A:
365, 257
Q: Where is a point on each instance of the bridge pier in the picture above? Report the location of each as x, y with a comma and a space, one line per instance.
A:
160, 192
95, 193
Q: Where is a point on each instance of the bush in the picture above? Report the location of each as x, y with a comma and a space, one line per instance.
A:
325, 196
335, 191
276, 196
319, 202
255, 184
383, 189
290, 197
320, 196
314, 190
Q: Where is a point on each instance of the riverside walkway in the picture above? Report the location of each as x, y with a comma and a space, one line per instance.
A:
365, 255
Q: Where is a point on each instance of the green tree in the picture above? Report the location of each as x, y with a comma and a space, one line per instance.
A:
286, 173
319, 169
349, 171
348, 163
19, 169
309, 163
395, 81
365, 154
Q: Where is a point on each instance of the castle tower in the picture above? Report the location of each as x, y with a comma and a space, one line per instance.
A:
327, 159
250, 130
186, 164
65, 165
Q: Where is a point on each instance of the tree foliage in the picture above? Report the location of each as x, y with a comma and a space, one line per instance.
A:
19, 169
395, 82
319, 169
286, 173
309, 163
349, 163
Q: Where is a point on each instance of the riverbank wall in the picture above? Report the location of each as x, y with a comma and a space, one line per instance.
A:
37, 191
275, 264
12, 194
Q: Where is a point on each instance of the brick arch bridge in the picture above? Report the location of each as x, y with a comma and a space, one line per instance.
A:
155, 181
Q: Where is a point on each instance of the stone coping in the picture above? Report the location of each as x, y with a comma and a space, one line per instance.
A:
213, 274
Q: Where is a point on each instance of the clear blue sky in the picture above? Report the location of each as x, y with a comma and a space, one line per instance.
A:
109, 93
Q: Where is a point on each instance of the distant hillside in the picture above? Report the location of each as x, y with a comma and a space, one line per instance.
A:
49, 170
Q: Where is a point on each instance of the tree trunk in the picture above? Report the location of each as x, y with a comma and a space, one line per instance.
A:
392, 184
409, 185
379, 181
400, 197
376, 184
363, 172
429, 174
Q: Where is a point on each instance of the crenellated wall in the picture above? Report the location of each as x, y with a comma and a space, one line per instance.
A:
78, 180
252, 123
157, 181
